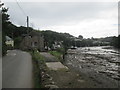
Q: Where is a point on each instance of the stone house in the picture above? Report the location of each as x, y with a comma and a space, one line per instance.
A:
33, 40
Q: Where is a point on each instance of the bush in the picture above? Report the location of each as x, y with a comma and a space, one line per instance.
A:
61, 50
17, 40
4, 47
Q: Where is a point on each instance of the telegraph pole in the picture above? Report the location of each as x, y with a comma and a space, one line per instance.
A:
27, 24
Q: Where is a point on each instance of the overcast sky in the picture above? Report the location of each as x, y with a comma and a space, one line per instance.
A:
90, 19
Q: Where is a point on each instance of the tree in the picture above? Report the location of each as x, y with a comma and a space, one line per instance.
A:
80, 37
51, 36
116, 42
5, 22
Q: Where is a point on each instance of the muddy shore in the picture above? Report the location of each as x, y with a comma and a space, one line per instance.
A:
97, 65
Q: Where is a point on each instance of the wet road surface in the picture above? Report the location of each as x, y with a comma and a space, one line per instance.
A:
17, 70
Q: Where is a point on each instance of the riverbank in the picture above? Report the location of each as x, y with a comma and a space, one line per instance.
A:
80, 69
99, 65
59, 76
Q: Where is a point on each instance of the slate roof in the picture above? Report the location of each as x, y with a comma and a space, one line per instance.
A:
8, 38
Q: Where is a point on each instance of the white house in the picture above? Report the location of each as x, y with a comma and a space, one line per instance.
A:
9, 41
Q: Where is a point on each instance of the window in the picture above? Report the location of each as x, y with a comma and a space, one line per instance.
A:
30, 36
35, 43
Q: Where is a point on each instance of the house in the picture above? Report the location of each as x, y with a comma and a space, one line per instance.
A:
57, 44
33, 40
9, 41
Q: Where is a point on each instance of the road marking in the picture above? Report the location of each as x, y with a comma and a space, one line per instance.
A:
11, 54
23, 52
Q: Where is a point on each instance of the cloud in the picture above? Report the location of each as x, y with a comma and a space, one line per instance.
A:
63, 0
90, 19
100, 26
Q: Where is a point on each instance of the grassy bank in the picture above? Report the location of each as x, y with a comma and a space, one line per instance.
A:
58, 55
38, 62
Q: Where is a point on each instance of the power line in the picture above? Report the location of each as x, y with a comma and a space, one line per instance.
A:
23, 12
21, 8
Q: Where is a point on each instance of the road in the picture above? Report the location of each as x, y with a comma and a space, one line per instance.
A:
0, 72
17, 70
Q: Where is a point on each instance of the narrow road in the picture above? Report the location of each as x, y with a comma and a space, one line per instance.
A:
17, 70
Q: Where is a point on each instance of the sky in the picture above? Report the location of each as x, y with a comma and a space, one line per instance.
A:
87, 18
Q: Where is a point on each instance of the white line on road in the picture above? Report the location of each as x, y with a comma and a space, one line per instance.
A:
11, 54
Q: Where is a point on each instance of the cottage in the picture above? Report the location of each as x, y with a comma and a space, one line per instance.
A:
33, 40
9, 41
57, 44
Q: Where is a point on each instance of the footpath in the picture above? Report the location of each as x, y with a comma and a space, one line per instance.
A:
57, 75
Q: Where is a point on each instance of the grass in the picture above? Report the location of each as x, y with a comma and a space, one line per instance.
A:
36, 56
56, 54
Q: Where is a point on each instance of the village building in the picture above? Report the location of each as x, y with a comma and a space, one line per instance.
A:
9, 42
33, 40
57, 44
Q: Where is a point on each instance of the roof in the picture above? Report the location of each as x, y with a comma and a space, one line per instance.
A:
32, 33
35, 33
8, 38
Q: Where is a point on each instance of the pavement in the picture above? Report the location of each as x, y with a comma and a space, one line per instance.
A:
55, 66
52, 62
17, 70
49, 57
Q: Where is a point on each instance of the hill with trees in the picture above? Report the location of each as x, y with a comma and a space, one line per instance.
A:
15, 32
51, 36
